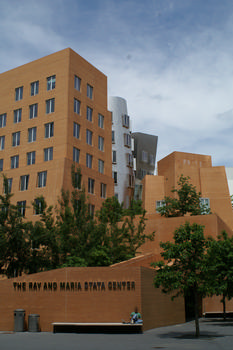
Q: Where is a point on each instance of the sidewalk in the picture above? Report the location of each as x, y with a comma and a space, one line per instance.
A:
215, 335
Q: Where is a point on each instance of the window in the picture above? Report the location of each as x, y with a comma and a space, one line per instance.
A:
16, 139
130, 160
77, 106
34, 88
91, 209
14, 162
114, 175
19, 93
159, 204
2, 120
125, 120
89, 114
91, 185
76, 130
17, 115
103, 190
101, 143
89, 160
100, 121
24, 180
77, 180
41, 179
131, 180
31, 158
89, 91
142, 173
38, 206
89, 137
49, 130
8, 186
21, 207
33, 110
77, 83
51, 82
50, 106
1, 164
127, 140
76, 153
152, 159
2, 143
145, 156
101, 166
205, 205
32, 134
114, 157
48, 154
113, 136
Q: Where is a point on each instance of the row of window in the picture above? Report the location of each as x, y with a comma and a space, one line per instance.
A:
127, 139
89, 160
129, 158
204, 202
51, 84
130, 179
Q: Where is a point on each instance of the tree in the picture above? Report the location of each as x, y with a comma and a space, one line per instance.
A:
183, 265
220, 268
187, 200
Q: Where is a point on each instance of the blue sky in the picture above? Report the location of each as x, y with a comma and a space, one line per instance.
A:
172, 60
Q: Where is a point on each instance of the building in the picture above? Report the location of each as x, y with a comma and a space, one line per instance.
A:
53, 113
122, 158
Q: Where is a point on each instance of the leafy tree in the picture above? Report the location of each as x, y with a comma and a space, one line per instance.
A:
183, 265
220, 268
186, 200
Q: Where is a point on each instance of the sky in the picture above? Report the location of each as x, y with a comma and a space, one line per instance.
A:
171, 60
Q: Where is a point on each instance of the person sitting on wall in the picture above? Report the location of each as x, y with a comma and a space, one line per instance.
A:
135, 317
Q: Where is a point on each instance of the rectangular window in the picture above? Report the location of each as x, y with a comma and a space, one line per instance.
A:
76, 130
21, 207
205, 205
32, 134
31, 158
101, 166
89, 91
89, 114
1, 164
129, 159
91, 185
49, 130
14, 162
89, 160
114, 175
77, 104
101, 143
51, 82
48, 154
34, 88
33, 110
103, 190
17, 115
37, 206
2, 143
152, 159
91, 209
77, 83
114, 157
16, 139
2, 120
50, 105
100, 121
8, 186
142, 173
145, 156
131, 180
113, 136
125, 120
24, 180
77, 180
41, 179
89, 137
19, 93
76, 153
159, 204
127, 140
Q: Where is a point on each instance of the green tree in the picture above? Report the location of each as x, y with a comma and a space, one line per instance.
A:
183, 265
186, 200
220, 268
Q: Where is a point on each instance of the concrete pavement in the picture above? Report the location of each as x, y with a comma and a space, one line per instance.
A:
215, 335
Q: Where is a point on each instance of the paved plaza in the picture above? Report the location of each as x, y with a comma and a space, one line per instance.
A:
215, 335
